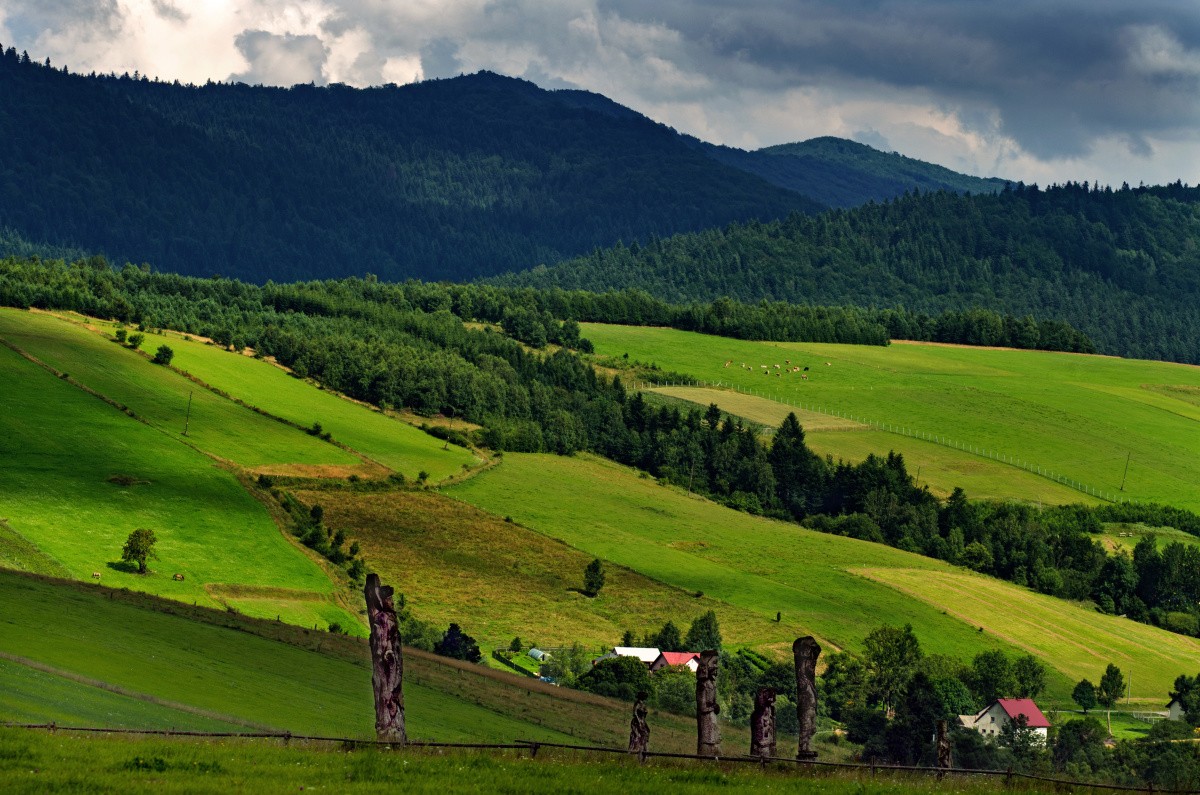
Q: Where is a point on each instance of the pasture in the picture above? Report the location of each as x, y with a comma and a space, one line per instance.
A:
498, 579
936, 466
817, 581
393, 443
64, 514
236, 671
1080, 416
160, 397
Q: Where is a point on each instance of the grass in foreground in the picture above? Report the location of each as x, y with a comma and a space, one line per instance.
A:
62, 446
822, 584
66, 762
1080, 416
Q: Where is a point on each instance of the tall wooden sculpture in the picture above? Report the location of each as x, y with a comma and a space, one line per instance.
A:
806, 650
708, 734
639, 730
943, 746
387, 661
762, 723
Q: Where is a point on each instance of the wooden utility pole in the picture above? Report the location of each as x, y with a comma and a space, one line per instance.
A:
1128, 455
188, 419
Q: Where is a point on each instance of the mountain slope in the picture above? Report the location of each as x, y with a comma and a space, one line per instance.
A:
841, 173
446, 179
1120, 266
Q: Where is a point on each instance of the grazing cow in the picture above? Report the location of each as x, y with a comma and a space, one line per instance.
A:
787, 361
729, 362
804, 376
178, 578
776, 367
806, 368
829, 364
763, 366
95, 575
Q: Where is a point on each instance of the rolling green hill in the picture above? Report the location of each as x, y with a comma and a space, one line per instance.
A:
1079, 416
836, 588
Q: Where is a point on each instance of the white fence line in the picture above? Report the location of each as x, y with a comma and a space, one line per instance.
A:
983, 452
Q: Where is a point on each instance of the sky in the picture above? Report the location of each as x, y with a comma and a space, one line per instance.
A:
1037, 90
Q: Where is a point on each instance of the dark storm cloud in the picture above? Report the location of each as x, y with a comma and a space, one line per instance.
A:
1057, 74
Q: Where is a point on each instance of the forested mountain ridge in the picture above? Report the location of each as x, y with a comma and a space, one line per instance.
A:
448, 179
841, 173
1121, 266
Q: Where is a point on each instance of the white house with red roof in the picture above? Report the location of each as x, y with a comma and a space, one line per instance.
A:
644, 653
1004, 711
689, 658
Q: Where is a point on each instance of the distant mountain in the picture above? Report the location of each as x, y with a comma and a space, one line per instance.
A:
449, 179
1121, 266
841, 173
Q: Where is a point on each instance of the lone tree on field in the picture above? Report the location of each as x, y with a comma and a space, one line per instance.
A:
139, 547
593, 577
1084, 695
163, 355
1112, 687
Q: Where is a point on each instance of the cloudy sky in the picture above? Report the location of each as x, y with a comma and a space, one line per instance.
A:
1040, 90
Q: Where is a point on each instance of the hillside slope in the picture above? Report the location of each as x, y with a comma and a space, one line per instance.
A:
1120, 266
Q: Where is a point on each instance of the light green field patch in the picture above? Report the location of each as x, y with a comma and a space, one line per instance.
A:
757, 564
61, 446
1079, 416
939, 467
161, 397
1120, 536
1078, 642
391, 442
16, 552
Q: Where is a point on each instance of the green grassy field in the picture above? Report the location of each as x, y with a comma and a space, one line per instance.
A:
34, 762
936, 466
61, 446
817, 581
1080, 416
227, 673
159, 396
1120, 536
498, 579
394, 444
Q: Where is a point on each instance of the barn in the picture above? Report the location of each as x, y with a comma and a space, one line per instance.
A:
1003, 711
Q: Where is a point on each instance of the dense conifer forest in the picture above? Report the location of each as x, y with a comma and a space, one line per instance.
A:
1122, 266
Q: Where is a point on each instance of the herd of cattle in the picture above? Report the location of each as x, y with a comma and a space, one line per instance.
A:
779, 370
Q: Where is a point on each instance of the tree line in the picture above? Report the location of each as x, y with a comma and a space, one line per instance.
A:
1118, 265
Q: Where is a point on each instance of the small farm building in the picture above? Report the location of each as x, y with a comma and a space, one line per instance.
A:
689, 658
1004, 711
1175, 710
643, 653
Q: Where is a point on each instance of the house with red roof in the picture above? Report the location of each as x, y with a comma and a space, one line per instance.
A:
1004, 711
689, 658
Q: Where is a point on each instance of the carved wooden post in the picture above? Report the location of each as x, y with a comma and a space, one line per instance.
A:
806, 650
639, 730
943, 746
708, 735
762, 723
387, 662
